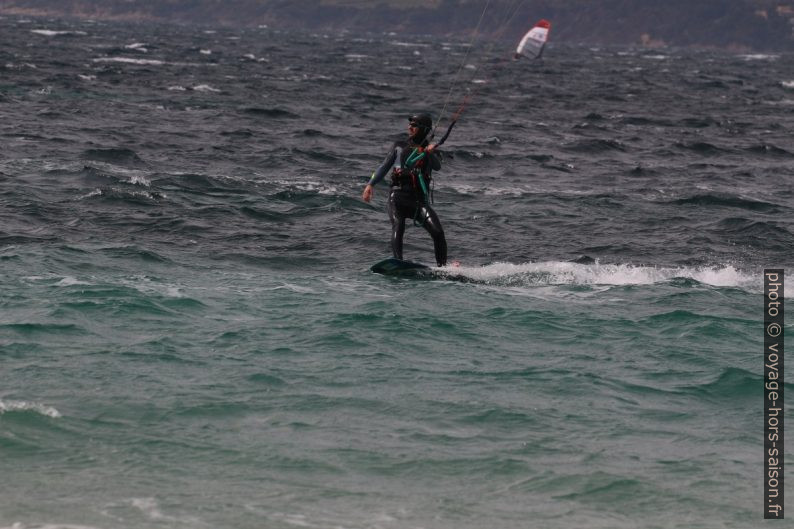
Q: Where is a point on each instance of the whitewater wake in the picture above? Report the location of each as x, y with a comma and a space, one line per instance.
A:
568, 273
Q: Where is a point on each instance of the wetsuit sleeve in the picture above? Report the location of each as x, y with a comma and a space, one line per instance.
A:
435, 161
384, 168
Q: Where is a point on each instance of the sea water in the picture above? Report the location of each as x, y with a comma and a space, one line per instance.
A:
190, 336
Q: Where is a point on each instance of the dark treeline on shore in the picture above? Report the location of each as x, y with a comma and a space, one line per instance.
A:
762, 25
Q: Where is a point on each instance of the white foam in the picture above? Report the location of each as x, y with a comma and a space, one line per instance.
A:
409, 44
310, 186
144, 285
468, 189
205, 88
94, 193
298, 520
69, 281
567, 273
149, 507
295, 288
137, 46
52, 33
759, 57
139, 180
128, 60
21, 405
140, 194
787, 84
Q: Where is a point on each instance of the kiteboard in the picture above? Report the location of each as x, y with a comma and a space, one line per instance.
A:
398, 267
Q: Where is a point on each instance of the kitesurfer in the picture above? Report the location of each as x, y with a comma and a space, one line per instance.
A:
411, 163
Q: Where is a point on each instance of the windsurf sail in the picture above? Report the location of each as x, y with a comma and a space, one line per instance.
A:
534, 42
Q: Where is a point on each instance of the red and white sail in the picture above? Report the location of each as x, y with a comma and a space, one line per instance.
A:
534, 41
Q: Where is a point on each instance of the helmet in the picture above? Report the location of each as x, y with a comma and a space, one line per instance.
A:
423, 121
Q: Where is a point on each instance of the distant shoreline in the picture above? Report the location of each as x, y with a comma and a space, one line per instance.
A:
733, 25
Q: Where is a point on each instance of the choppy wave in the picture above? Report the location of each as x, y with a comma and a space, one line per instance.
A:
703, 148
21, 406
769, 150
726, 200
113, 155
269, 112
596, 146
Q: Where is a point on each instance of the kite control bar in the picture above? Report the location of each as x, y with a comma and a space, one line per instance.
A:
455, 117
446, 134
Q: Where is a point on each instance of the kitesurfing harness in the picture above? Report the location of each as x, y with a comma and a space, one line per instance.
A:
411, 175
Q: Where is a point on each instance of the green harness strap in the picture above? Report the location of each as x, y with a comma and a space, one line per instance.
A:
421, 178
410, 163
412, 160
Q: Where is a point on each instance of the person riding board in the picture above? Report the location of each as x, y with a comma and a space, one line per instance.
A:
411, 163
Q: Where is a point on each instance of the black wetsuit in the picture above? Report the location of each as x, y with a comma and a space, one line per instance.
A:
411, 170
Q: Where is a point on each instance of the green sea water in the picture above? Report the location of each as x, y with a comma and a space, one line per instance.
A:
547, 395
